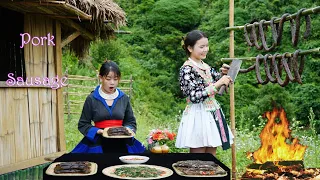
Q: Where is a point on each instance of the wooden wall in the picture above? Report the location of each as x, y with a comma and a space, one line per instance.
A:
31, 121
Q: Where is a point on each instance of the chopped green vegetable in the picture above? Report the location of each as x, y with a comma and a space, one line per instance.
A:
139, 171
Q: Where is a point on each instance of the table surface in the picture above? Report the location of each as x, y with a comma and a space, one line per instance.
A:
111, 159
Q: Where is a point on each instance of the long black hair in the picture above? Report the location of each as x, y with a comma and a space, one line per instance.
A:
191, 39
108, 66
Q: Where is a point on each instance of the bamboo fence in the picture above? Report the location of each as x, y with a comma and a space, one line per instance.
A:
79, 87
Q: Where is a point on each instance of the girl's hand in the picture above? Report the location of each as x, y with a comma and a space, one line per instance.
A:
224, 69
100, 131
224, 80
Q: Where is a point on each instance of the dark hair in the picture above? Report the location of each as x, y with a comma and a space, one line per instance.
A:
108, 66
191, 39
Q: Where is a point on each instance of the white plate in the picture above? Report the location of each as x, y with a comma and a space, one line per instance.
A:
132, 159
109, 171
182, 174
105, 133
50, 170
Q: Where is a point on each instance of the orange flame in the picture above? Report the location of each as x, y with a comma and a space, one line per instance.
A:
273, 140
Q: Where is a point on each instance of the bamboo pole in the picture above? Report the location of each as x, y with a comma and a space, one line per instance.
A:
45, 95
130, 87
4, 128
28, 66
70, 38
10, 146
58, 66
51, 93
232, 111
303, 52
2, 111
22, 125
33, 94
19, 124
54, 119
292, 16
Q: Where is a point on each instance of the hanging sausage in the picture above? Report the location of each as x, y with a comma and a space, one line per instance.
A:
288, 64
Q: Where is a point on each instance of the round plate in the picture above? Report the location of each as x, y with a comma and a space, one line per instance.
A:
182, 174
132, 159
105, 133
109, 171
50, 170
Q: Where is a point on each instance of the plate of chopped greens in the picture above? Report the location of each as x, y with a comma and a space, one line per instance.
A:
137, 171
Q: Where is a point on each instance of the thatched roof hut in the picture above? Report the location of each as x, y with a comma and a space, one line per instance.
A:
92, 18
31, 109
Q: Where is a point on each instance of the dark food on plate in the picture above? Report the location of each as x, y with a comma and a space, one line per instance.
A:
197, 167
139, 171
82, 167
118, 131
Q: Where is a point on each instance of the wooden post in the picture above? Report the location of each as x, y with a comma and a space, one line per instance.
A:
232, 110
67, 97
60, 118
130, 89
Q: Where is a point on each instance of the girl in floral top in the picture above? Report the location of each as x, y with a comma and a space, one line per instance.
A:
203, 126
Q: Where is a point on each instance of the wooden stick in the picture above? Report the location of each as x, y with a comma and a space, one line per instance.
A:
292, 16
59, 92
122, 32
70, 38
2, 111
76, 26
81, 79
232, 111
130, 88
303, 52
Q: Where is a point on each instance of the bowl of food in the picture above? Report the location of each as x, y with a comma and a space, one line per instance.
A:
133, 159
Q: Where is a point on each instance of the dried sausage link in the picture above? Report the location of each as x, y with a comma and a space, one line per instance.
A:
287, 66
274, 30
296, 70
258, 75
252, 67
263, 38
254, 35
295, 29
267, 69
280, 28
246, 35
307, 33
276, 70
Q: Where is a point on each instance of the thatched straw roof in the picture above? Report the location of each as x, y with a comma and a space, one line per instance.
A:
97, 17
101, 10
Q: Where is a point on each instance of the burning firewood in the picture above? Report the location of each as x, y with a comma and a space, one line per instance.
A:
276, 159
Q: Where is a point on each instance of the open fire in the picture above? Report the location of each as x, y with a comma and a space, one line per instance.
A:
279, 156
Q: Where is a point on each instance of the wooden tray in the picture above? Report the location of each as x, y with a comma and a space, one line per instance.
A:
105, 134
185, 175
109, 171
50, 170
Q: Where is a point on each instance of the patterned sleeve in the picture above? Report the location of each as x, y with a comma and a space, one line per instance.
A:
215, 75
191, 86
